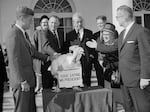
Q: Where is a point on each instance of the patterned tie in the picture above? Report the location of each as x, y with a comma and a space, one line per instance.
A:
78, 35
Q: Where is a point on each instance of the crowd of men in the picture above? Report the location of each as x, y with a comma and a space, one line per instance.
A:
29, 58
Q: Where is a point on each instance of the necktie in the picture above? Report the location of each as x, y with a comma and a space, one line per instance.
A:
27, 38
28, 42
124, 35
58, 42
101, 36
78, 35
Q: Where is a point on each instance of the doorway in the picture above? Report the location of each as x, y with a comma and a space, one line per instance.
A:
143, 19
146, 20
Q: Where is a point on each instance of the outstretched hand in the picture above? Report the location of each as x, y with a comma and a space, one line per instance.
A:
53, 57
92, 44
25, 86
56, 55
144, 83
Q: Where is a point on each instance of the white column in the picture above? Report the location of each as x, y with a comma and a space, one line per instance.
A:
115, 5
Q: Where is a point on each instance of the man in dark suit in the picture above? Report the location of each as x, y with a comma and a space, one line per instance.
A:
55, 35
20, 55
101, 21
3, 77
134, 62
79, 36
54, 39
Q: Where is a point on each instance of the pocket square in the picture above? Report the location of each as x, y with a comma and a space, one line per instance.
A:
130, 42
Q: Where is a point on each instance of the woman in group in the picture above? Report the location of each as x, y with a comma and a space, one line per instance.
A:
109, 50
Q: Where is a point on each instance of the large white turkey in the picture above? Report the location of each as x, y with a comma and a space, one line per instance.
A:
67, 61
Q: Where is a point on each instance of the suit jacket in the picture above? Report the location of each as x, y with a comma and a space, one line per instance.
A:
134, 55
110, 60
51, 40
20, 54
3, 73
96, 35
39, 39
71, 39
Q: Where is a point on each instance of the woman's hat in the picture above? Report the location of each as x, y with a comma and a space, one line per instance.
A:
109, 27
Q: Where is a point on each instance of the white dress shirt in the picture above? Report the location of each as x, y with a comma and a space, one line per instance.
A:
127, 29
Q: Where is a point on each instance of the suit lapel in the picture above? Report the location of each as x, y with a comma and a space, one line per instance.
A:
75, 35
60, 37
24, 42
22, 37
121, 40
53, 38
84, 35
126, 38
98, 35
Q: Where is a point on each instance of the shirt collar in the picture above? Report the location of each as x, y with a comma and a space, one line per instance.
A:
80, 31
127, 29
23, 31
129, 26
54, 31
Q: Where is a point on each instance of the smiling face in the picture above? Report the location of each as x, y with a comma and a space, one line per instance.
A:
108, 37
100, 24
44, 23
77, 23
53, 23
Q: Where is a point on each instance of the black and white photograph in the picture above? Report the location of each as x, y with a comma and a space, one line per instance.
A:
74, 56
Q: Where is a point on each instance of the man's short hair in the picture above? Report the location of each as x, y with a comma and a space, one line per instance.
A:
77, 15
102, 17
54, 16
24, 11
127, 9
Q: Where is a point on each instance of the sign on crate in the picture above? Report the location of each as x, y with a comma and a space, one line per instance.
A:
70, 78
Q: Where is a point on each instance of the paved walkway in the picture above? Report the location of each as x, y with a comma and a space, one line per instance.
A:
8, 105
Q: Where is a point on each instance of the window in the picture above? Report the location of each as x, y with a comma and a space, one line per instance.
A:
142, 12
47, 6
139, 5
138, 20
62, 8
